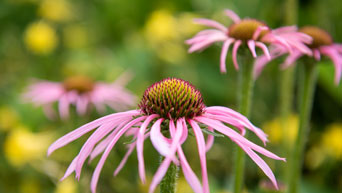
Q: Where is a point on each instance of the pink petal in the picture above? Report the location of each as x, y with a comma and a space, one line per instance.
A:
70, 169
81, 104
104, 143
102, 131
260, 162
210, 140
189, 175
291, 59
63, 106
317, 55
223, 57
166, 162
104, 156
231, 113
158, 140
86, 128
285, 29
49, 111
206, 42
334, 55
251, 46
232, 15
236, 137
235, 49
124, 159
264, 49
140, 146
258, 31
211, 23
201, 151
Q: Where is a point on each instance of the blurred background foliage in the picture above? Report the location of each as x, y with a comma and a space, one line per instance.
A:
53, 39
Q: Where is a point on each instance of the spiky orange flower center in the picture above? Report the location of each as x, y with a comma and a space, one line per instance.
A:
80, 84
245, 29
172, 98
319, 36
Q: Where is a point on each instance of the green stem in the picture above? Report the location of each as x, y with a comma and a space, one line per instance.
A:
285, 103
308, 83
168, 183
291, 12
245, 93
287, 83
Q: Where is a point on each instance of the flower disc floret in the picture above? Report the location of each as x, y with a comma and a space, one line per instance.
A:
81, 84
245, 29
172, 98
319, 36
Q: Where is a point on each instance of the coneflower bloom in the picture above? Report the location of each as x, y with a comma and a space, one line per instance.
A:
167, 111
322, 44
250, 32
80, 91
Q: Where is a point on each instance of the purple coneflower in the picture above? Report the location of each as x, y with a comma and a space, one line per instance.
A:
322, 44
80, 91
250, 32
167, 111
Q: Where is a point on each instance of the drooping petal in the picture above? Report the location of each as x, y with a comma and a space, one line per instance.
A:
291, 59
70, 169
100, 147
236, 137
260, 162
202, 151
63, 106
200, 45
317, 54
158, 140
264, 49
176, 137
75, 134
189, 175
261, 61
99, 133
258, 31
223, 57
104, 156
336, 57
124, 159
82, 104
211, 23
232, 15
140, 146
231, 113
210, 140
251, 46
235, 49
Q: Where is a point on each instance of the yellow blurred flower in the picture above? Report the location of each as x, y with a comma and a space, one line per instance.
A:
40, 38
22, 146
30, 185
56, 10
161, 26
166, 33
315, 157
75, 36
8, 118
68, 185
274, 130
332, 140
